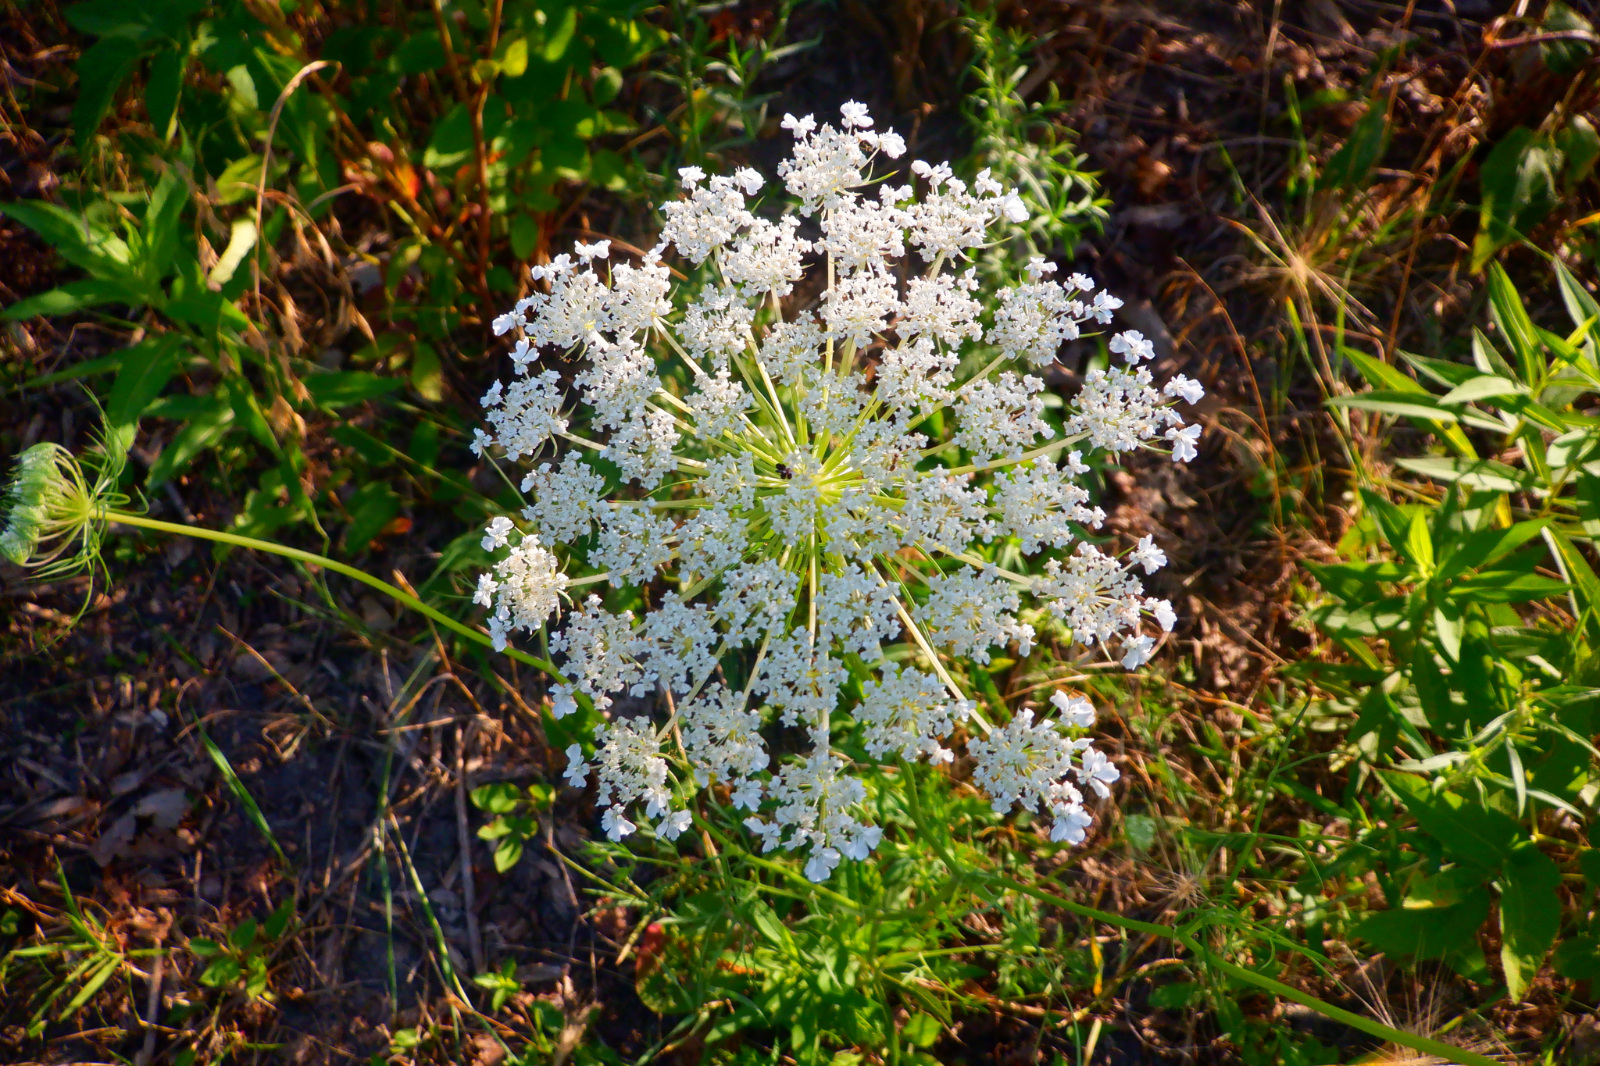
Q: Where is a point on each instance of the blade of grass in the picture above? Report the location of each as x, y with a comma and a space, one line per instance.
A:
242, 794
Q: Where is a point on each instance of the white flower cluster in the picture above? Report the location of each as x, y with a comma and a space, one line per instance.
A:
814, 505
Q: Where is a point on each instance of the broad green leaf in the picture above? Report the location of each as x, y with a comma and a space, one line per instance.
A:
1578, 958
222, 973
74, 296
238, 180
1485, 546
77, 240
204, 947
1447, 624
1468, 832
514, 57
341, 388
279, 920
1419, 543
507, 854
499, 798
1518, 186
373, 507
427, 375
1569, 46
921, 1030
524, 235
1589, 863
204, 430
1437, 916
161, 232
1350, 166
557, 39
102, 68
1530, 915
244, 934
146, 369
161, 92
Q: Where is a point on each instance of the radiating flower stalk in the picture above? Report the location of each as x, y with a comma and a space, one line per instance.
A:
812, 467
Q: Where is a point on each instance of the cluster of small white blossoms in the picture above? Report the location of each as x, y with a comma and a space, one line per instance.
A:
782, 493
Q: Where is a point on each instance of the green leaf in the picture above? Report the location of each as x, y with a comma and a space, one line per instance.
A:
1518, 188
499, 798
204, 430
239, 180
146, 369
1351, 165
1565, 56
524, 235
1403, 404
1506, 586
96, 981
507, 854
73, 296
1175, 996
1581, 306
278, 920
1530, 915
1381, 375
1469, 832
514, 58
256, 982
1439, 916
161, 231
771, 929
222, 973
1481, 475
161, 92
1485, 546
372, 507
204, 947
102, 68
1589, 863
560, 37
1418, 545
243, 935
76, 239
420, 53
451, 142
427, 375
1510, 317
341, 388
1578, 958
922, 1029
1483, 387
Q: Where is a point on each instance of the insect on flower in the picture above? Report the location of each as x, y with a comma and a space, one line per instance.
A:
795, 505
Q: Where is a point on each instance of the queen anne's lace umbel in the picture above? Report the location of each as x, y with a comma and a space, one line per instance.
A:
817, 483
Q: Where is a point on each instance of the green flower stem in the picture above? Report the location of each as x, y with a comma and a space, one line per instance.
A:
394, 592
1447, 1052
